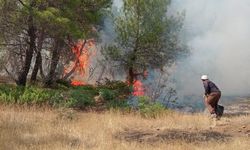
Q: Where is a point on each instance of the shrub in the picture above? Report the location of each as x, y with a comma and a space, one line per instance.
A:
33, 95
64, 83
148, 109
29, 95
81, 97
107, 94
77, 97
117, 86
10, 94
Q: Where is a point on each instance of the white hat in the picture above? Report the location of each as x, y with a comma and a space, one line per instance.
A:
204, 77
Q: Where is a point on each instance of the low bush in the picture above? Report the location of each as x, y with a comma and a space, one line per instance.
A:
113, 95
116, 86
64, 83
29, 95
10, 93
74, 97
108, 95
80, 98
149, 109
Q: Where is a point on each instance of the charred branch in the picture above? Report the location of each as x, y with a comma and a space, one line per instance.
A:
76, 63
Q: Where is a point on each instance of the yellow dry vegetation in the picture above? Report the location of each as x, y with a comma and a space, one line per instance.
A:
44, 129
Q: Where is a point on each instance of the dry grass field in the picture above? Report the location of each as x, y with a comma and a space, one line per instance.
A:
44, 129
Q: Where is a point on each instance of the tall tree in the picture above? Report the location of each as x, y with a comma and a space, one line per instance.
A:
146, 37
18, 29
22, 77
67, 22
46, 28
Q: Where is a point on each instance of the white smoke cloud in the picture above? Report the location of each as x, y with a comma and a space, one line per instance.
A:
117, 3
218, 33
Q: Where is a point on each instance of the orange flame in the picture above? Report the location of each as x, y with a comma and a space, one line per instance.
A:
138, 88
77, 83
83, 51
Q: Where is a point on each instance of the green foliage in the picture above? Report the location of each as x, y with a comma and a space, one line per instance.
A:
58, 23
114, 93
121, 89
148, 109
76, 97
74, 18
29, 95
108, 94
146, 36
10, 94
81, 97
113, 98
64, 83
33, 95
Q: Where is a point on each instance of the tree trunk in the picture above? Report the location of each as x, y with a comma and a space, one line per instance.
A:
36, 67
38, 58
22, 77
131, 75
54, 62
41, 71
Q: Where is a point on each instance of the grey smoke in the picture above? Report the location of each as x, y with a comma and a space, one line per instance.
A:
218, 34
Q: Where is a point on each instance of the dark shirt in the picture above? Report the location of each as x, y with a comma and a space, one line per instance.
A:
210, 87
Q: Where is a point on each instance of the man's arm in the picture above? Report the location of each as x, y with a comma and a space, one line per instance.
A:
206, 87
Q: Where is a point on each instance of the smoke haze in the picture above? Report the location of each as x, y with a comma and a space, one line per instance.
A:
218, 34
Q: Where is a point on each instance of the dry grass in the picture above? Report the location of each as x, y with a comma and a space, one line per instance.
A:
30, 129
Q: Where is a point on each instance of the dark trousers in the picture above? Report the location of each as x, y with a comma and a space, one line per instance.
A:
212, 100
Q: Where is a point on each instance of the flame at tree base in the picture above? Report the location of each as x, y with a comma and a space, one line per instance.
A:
77, 83
138, 88
83, 50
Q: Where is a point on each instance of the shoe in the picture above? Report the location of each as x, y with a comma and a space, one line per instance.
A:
220, 110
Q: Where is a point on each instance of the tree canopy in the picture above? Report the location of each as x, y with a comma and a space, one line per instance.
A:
146, 37
31, 27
